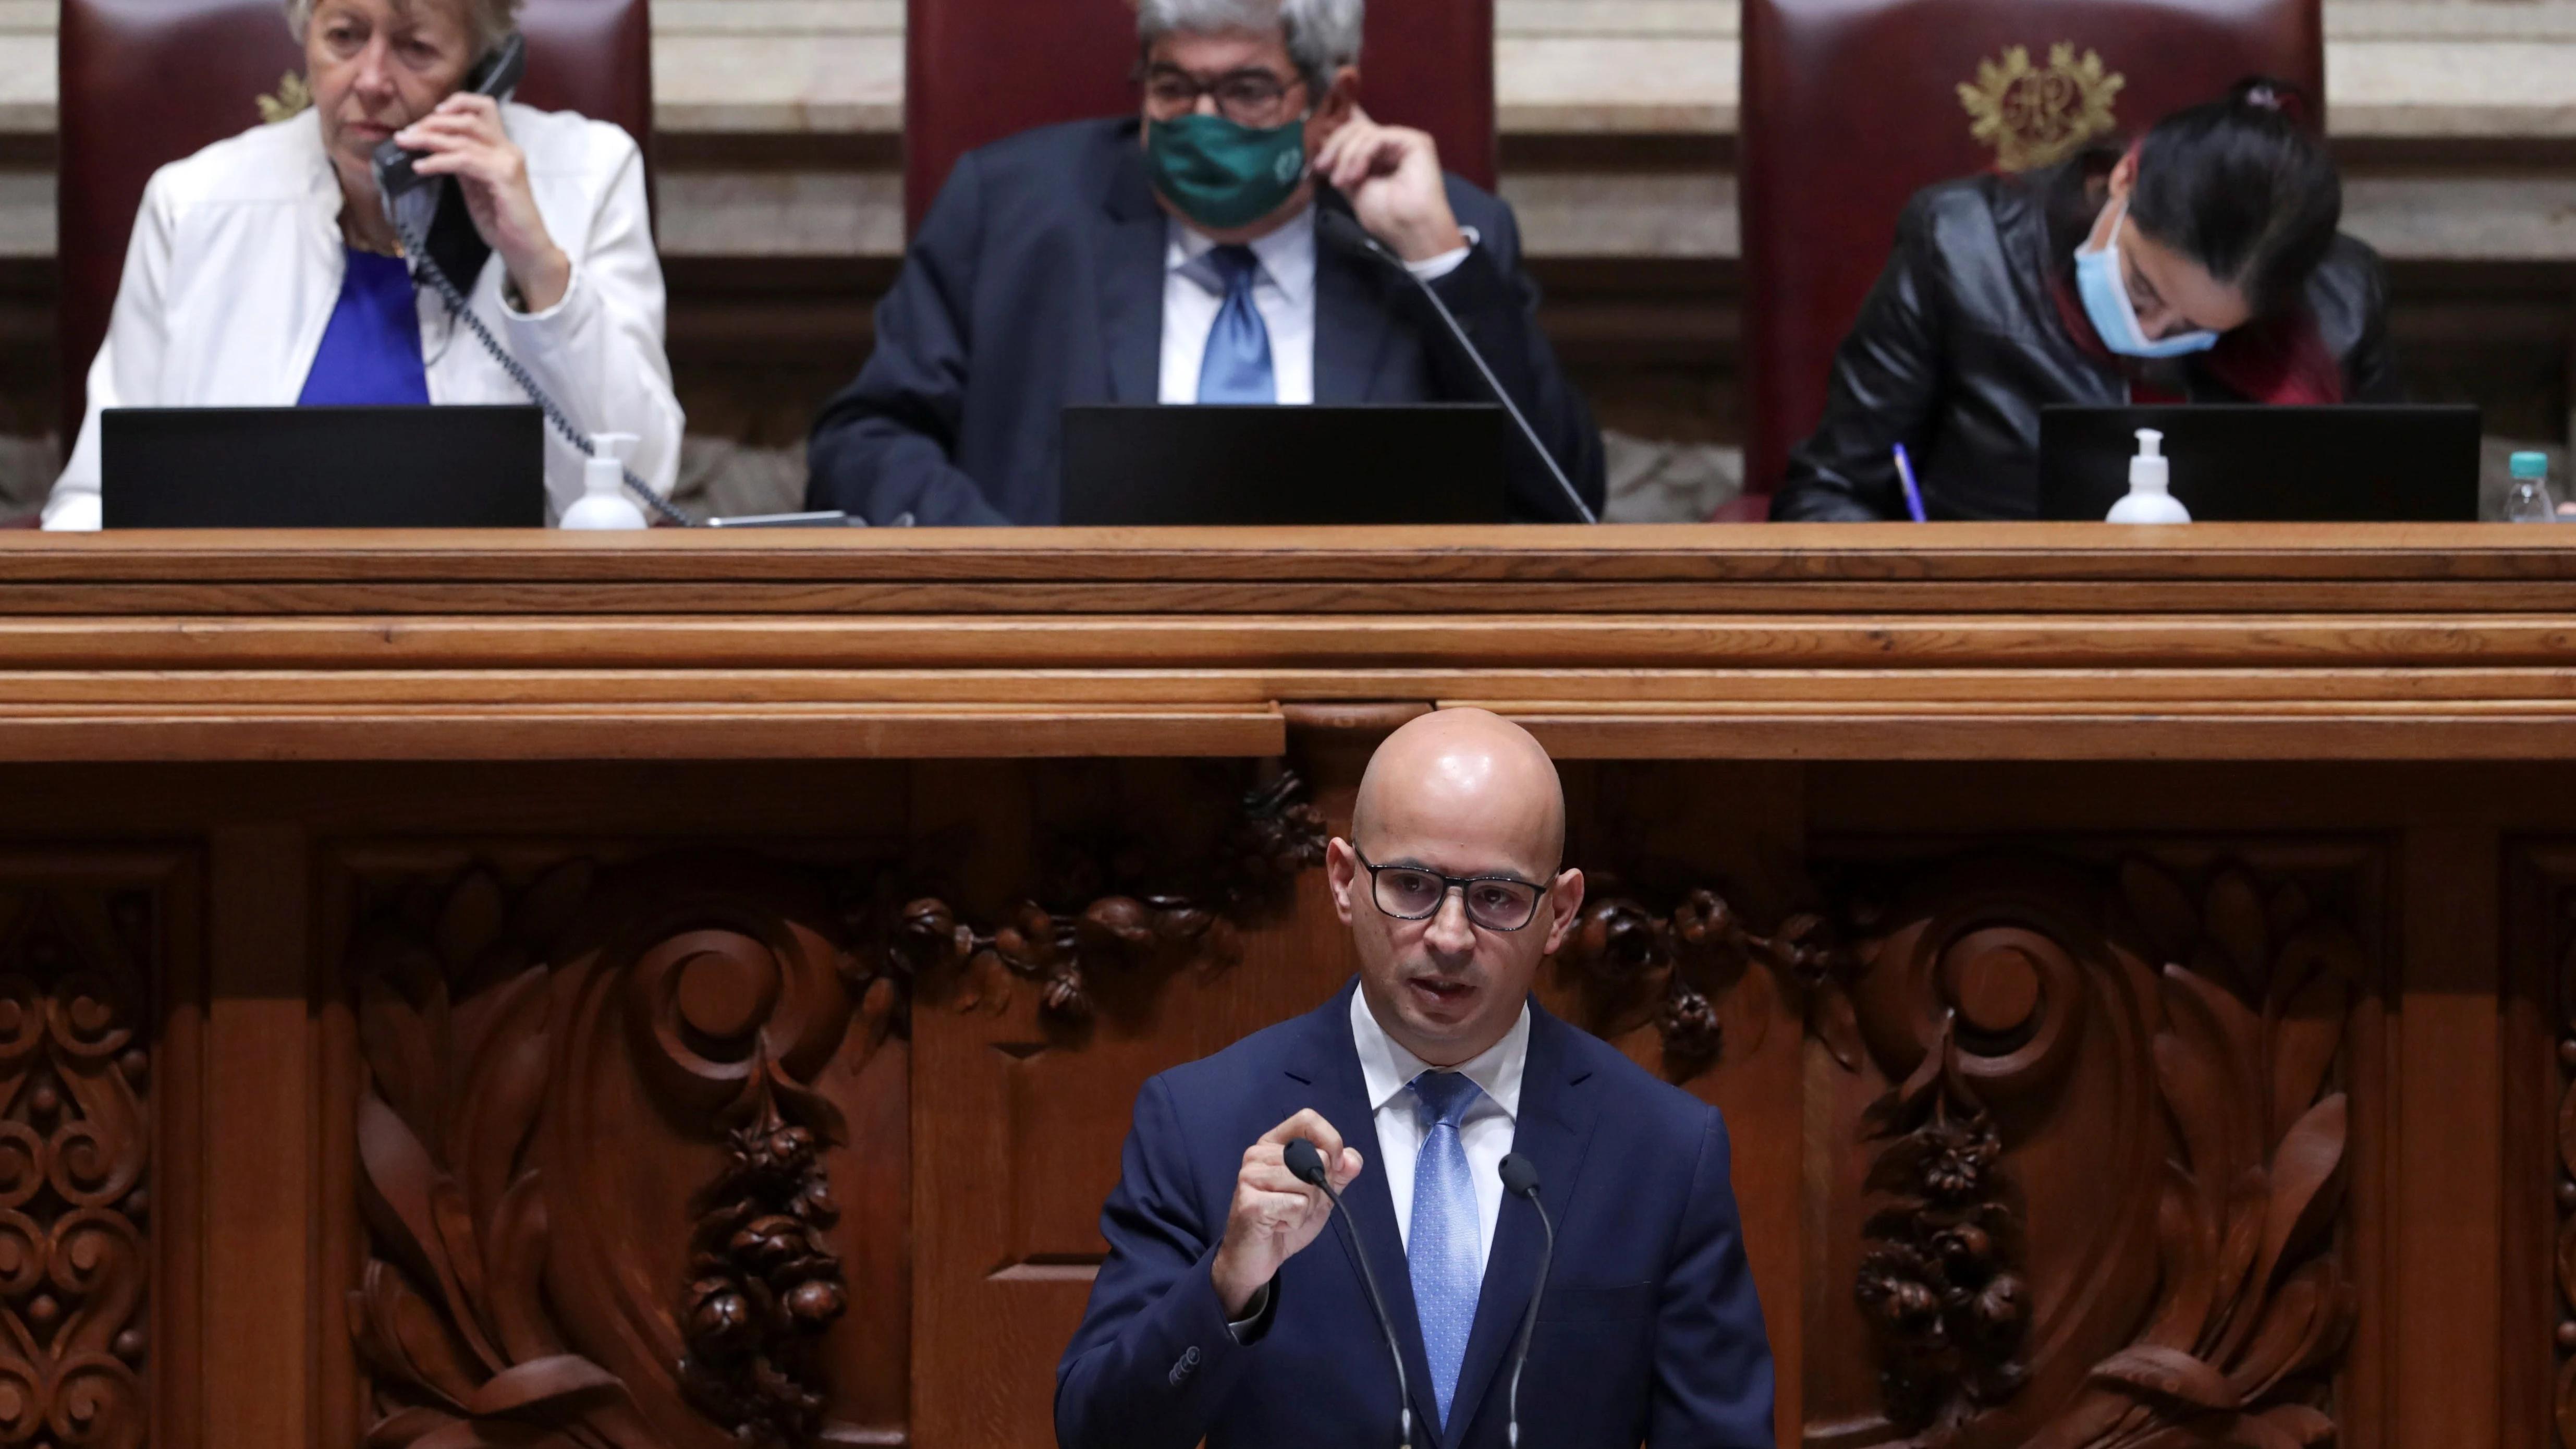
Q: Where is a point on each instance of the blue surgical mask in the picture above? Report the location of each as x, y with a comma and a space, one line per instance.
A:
2114, 316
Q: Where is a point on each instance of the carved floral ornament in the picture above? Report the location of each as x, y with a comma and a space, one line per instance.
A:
2035, 115
508, 1020
1116, 921
75, 1150
2167, 1050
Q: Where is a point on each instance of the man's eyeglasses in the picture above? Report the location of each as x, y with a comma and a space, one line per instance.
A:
1247, 97
1410, 893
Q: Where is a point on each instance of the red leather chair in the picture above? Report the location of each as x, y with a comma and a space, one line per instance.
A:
976, 71
146, 82
1850, 106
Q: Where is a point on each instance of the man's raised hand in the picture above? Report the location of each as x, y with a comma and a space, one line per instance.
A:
1274, 1216
1392, 176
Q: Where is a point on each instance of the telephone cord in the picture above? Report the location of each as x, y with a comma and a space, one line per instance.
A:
463, 311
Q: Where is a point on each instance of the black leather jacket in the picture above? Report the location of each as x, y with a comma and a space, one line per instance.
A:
1961, 343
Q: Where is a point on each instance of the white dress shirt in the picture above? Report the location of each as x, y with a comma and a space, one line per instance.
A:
1486, 1131
1283, 292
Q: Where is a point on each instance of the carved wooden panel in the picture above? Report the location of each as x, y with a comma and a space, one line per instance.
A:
2057, 1144
633, 1139
2541, 950
2087, 1128
2094, 1191
88, 947
75, 1154
1196, 919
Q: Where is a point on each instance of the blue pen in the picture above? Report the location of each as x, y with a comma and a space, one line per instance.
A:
1913, 491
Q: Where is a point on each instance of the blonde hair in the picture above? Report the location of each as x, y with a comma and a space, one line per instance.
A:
486, 21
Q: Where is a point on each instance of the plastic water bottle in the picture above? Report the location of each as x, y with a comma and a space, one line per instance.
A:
603, 502
2528, 501
2148, 500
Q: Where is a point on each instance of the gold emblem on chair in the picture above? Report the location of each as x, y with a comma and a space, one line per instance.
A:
293, 98
2035, 116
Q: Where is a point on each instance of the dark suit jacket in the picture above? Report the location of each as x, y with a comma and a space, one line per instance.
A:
1649, 1331
1037, 282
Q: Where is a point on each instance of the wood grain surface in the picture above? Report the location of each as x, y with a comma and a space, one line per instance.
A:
1938, 642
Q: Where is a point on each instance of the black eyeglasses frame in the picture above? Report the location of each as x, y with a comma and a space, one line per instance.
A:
1145, 74
1458, 883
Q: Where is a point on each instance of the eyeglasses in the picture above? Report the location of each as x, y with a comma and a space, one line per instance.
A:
1410, 893
1247, 97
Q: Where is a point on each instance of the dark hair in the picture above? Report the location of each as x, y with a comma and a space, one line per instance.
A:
2244, 187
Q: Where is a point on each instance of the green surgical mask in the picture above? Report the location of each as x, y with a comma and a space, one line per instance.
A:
1223, 175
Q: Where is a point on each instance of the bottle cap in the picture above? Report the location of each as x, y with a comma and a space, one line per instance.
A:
2529, 465
2149, 470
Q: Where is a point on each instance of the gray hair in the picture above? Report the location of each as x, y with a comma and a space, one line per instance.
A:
1323, 35
486, 21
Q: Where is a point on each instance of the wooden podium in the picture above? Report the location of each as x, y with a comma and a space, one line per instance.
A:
689, 990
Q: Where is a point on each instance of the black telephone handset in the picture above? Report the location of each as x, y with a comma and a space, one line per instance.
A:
497, 76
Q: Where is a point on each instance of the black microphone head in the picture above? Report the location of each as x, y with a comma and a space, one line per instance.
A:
1520, 1175
1304, 1162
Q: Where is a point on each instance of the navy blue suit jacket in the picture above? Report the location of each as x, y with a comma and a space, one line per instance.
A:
1037, 282
1649, 1332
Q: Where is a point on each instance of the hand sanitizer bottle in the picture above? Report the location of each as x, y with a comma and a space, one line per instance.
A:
603, 502
2148, 502
2528, 500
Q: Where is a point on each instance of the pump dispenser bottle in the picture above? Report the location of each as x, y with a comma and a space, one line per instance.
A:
603, 502
2149, 474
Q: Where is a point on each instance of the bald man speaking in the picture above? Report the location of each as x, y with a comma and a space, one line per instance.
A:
1422, 1087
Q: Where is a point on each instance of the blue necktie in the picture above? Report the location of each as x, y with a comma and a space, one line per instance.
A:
1444, 1248
1236, 366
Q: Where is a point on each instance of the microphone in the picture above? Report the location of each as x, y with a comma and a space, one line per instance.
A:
1342, 231
1520, 1179
1307, 1165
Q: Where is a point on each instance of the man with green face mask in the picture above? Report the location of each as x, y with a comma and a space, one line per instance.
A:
1174, 257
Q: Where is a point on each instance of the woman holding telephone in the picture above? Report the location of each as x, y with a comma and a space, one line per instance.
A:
269, 269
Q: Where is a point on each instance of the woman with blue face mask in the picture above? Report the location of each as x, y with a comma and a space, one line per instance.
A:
2201, 264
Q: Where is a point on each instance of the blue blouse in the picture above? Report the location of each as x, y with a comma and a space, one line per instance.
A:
371, 350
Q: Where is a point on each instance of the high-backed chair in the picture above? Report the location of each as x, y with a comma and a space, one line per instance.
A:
146, 82
1850, 106
976, 71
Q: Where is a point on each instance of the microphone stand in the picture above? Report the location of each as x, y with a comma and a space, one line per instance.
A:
1307, 1165
1520, 1178
1341, 226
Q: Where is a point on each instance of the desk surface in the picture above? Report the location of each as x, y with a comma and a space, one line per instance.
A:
2049, 641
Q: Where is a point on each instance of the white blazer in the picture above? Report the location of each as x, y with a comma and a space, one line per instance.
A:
236, 265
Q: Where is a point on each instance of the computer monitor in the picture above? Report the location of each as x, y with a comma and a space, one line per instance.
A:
337, 467
1408, 463
2249, 463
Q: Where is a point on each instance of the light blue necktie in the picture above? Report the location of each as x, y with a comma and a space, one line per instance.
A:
1236, 366
1444, 1248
